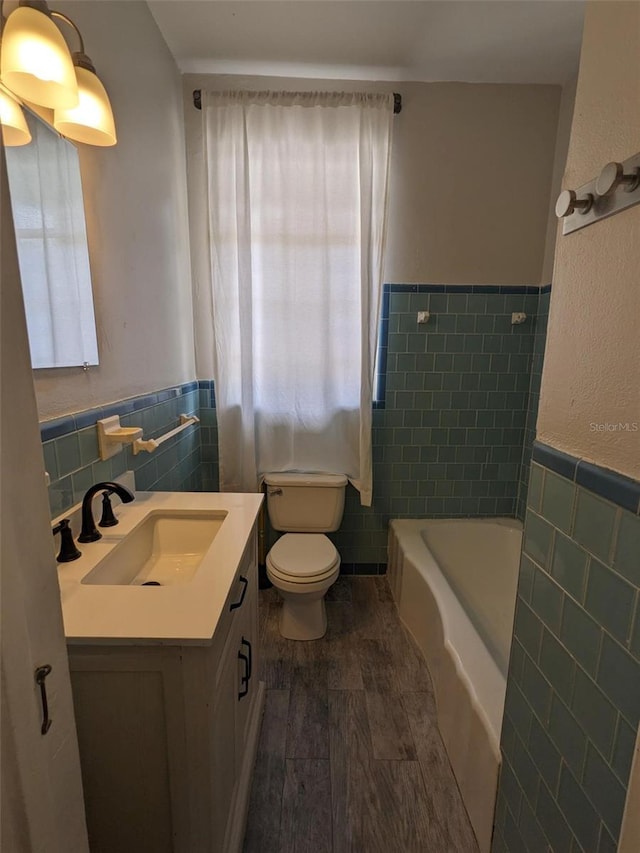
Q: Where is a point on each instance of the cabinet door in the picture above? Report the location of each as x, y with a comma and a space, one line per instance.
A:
223, 741
247, 639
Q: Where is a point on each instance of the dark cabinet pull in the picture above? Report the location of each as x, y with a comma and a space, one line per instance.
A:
244, 681
237, 604
246, 643
41, 673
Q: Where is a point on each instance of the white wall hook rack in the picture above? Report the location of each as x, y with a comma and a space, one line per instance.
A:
111, 436
615, 189
152, 444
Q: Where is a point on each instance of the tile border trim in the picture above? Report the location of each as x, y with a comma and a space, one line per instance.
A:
208, 385
610, 485
496, 289
66, 424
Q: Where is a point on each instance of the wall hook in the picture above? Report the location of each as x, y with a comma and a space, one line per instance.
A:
568, 203
613, 176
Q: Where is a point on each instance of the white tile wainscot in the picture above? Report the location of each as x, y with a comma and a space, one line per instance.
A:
168, 725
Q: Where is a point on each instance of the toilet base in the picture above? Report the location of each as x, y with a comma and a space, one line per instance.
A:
303, 615
303, 620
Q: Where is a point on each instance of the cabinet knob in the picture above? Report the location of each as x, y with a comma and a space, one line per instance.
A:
568, 203
613, 176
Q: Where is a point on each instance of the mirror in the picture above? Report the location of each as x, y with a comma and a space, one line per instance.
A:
51, 235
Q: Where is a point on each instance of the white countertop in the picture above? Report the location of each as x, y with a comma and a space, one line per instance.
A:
178, 614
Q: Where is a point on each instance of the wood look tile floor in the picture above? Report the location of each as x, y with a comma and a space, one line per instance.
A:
350, 757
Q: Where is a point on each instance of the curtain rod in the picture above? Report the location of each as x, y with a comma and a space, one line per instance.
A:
397, 101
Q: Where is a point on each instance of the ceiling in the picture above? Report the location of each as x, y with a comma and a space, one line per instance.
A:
480, 41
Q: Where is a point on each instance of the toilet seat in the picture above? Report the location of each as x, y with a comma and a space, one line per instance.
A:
303, 557
282, 578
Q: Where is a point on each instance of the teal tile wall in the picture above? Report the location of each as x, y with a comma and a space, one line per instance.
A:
458, 395
73, 462
449, 440
540, 339
209, 468
573, 692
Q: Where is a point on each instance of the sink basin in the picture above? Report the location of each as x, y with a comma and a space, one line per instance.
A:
166, 548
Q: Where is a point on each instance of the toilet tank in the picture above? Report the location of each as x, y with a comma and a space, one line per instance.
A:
305, 503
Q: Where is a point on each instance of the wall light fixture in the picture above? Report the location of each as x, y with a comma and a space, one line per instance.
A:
15, 130
91, 121
37, 67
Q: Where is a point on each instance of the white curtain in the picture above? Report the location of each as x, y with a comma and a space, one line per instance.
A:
297, 186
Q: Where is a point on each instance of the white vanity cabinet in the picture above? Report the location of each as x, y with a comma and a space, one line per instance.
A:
168, 733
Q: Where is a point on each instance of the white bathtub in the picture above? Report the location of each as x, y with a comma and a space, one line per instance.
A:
454, 581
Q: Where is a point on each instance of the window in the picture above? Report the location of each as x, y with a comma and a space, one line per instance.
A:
297, 188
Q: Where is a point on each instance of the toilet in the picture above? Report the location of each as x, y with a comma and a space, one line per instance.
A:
304, 562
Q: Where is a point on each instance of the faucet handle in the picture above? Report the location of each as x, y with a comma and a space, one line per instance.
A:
90, 532
108, 518
68, 550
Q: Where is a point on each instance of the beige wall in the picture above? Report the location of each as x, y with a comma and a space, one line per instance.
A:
592, 364
565, 117
470, 180
470, 183
135, 200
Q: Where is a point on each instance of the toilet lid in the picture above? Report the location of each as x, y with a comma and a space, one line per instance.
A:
303, 554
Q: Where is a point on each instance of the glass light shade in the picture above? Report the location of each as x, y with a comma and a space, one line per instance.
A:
14, 125
35, 62
91, 121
